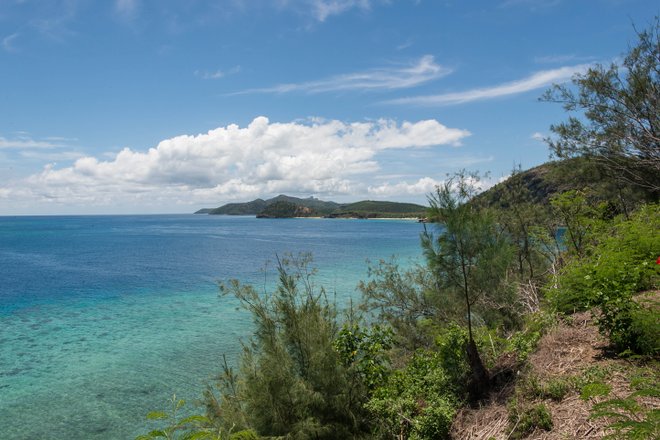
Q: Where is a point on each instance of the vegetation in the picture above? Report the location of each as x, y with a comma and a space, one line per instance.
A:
469, 258
286, 210
377, 209
285, 207
620, 127
461, 327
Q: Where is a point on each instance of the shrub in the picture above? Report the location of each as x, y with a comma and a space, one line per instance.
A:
417, 402
292, 381
523, 420
619, 264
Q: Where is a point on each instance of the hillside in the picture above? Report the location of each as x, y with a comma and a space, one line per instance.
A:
377, 209
258, 205
540, 183
284, 206
282, 209
570, 359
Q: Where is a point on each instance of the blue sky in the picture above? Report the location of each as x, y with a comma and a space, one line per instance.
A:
157, 106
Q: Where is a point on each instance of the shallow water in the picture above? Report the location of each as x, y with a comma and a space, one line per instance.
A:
103, 318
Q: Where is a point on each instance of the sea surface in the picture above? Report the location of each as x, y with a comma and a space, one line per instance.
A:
104, 318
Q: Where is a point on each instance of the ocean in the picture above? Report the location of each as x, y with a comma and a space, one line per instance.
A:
104, 318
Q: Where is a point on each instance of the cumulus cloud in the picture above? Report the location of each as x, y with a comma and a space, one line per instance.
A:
535, 81
315, 157
424, 185
394, 77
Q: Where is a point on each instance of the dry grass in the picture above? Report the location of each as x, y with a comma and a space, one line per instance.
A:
565, 351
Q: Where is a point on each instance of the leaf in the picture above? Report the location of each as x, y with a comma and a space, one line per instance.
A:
157, 415
198, 435
194, 419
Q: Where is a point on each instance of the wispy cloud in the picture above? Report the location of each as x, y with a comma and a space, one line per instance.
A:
322, 9
535, 81
8, 42
217, 74
25, 142
51, 155
531, 4
127, 9
537, 136
561, 59
386, 78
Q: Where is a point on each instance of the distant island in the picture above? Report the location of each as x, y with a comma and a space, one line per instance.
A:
284, 206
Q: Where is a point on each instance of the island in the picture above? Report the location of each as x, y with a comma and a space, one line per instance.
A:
284, 206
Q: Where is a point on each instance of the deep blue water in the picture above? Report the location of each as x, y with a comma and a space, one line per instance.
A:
103, 318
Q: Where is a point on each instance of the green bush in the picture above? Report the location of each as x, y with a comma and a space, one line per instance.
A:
417, 402
614, 269
247, 434
523, 420
292, 380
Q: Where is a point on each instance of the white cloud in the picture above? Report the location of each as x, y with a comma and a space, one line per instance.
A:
25, 142
127, 9
563, 59
315, 157
387, 78
52, 156
533, 5
322, 9
424, 185
537, 136
217, 74
8, 42
535, 81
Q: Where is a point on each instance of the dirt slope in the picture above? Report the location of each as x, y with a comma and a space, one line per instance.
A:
571, 349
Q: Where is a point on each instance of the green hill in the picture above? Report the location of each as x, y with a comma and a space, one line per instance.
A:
257, 206
284, 206
537, 185
379, 209
284, 209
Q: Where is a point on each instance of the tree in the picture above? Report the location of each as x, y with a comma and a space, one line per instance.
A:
620, 105
292, 381
469, 256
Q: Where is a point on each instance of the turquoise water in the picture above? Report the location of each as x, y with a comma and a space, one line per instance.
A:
103, 318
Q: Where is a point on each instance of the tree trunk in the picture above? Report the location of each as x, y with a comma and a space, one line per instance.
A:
479, 383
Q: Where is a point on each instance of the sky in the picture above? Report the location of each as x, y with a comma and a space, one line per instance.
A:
168, 106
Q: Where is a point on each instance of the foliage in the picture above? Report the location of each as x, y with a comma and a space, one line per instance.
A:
292, 381
469, 258
194, 427
517, 215
524, 419
524, 342
375, 209
619, 263
577, 217
408, 300
470, 255
364, 352
555, 388
416, 402
621, 117
628, 419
